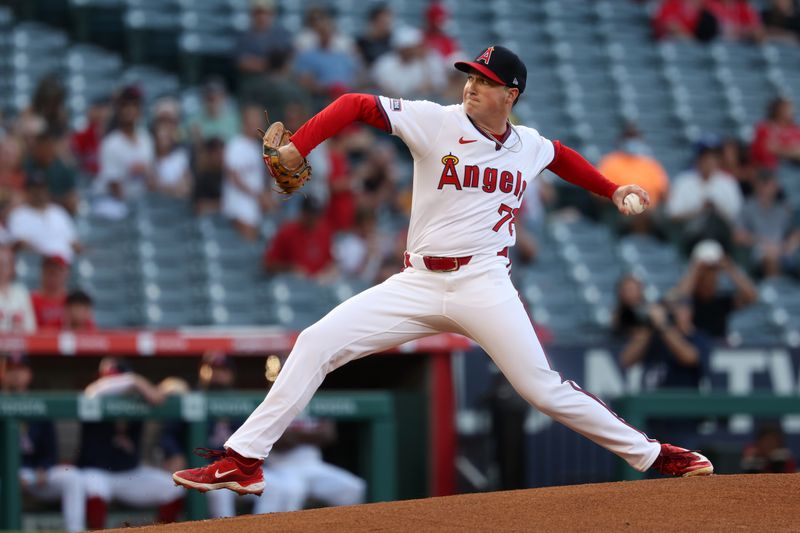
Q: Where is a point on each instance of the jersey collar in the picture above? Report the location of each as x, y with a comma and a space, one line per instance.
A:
498, 143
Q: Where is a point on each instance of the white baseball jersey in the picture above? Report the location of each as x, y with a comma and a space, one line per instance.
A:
467, 192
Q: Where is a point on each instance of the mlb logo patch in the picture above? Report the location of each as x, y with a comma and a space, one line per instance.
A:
396, 104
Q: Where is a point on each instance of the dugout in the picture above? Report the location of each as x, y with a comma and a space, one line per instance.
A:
394, 410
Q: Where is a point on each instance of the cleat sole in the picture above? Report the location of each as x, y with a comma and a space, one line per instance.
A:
254, 488
705, 471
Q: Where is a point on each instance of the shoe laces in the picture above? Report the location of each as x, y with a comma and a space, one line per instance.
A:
208, 453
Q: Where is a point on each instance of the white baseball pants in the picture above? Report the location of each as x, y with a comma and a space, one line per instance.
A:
478, 301
64, 482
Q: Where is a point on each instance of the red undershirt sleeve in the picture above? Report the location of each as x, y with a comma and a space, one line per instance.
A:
570, 166
342, 112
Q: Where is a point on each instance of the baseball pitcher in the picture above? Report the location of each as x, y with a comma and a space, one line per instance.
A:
471, 169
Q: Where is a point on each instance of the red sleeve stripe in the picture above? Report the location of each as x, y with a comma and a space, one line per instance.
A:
379, 105
570, 166
345, 110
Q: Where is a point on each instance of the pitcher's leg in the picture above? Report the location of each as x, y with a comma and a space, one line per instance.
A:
505, 332
382, 317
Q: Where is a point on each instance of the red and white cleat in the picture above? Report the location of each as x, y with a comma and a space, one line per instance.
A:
675, 461
228, 471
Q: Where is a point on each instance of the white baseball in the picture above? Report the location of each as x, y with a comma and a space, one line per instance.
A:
634, 203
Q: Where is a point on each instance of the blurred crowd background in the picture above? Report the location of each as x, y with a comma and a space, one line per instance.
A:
130, 160
133, 194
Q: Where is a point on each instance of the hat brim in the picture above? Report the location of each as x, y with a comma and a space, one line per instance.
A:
467, 66
55, 260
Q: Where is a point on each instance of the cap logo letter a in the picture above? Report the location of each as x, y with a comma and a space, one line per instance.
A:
486, 56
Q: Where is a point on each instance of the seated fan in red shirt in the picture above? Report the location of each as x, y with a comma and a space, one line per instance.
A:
49, 300
302, 245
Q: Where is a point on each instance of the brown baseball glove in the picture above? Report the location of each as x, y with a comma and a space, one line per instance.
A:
289, 180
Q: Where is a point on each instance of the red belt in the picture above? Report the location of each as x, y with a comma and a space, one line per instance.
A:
445, 264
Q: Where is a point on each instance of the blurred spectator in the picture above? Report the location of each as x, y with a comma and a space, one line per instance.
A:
410, 70
375, 41
735, 160
630, 312
16, 308
47, 111
216, 118
281, 89
674, 354
78, 313
264, 38
41, 225
665, 340
172, 175
685, 19
435, 36
49, 301
126, 157
737, 19
40, 475
316, 17
711, 307
303, 245
61, 178
633, 162
361, 252
778, 137
766, 226
86, 141
782, 21
243, 192
209, 173
12, 177
706, 200
326, 68
110, 453
377, 177
769, 453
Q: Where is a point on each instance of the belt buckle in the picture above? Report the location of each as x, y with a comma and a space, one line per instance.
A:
456, 266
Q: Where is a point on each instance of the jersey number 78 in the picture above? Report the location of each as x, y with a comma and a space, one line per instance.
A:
509, 215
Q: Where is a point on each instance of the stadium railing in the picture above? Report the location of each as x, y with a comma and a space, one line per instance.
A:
377, 410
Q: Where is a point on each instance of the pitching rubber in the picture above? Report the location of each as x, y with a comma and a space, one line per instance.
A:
255, 488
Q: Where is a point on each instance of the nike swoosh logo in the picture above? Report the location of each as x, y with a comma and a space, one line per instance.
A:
466, 141
219, 474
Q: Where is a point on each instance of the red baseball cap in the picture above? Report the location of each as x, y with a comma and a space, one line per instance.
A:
436, 14
56, 260
500, 65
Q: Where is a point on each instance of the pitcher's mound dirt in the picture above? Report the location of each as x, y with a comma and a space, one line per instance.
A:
716, 503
